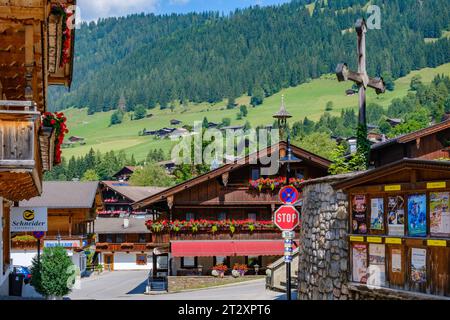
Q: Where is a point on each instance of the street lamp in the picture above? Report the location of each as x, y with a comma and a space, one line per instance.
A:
287, 160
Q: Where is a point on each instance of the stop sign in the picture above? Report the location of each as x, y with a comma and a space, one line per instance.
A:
287, 218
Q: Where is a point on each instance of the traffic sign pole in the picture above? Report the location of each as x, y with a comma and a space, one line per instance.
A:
287, 218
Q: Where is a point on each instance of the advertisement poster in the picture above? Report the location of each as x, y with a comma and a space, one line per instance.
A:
360, 263
359, 214
418, 265
396, 257
439, 214
376, 214
417, 215
28, 219
396, 216
377, 265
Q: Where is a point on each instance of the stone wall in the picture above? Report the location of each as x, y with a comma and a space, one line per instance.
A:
323, 262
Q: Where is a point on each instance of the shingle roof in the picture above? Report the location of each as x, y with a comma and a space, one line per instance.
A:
115, 225
64, 194
404, 138
131, 192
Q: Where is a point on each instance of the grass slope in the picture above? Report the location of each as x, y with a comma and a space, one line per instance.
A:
305, 100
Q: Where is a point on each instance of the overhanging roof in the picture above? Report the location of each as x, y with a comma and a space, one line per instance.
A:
413, 135
64, 194
299, 152
392, 169
131, 192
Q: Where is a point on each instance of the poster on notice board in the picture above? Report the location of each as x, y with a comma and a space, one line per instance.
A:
417, 215
396, 216
418, 265
439, 214
377, 214
359, 214
377, 265
359, 259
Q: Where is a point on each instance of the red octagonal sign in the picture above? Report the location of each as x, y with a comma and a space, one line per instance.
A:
287, 218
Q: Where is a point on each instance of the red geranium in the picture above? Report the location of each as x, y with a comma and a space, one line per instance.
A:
58, 122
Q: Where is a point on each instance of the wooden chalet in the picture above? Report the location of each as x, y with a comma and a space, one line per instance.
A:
72, 208
399, 227
429, 143
223, 216
125, 173
119, 196
123, 240
124, 243
36, 50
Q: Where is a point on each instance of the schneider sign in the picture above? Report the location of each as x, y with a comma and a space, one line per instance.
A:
28, 219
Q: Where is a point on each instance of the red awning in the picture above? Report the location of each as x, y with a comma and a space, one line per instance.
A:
226, 248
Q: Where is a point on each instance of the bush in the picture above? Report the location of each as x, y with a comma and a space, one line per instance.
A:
55, 274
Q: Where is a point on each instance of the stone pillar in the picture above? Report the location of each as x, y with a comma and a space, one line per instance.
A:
323, 263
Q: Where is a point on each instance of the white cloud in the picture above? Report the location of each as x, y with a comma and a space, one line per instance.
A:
93, 9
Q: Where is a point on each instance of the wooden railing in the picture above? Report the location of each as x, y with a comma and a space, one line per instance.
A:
123, 247
220, 235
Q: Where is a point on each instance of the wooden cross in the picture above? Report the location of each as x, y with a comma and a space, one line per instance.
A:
361, 78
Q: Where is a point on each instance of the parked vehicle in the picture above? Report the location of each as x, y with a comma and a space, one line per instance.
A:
25, 271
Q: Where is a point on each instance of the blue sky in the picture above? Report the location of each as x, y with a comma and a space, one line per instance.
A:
94, 9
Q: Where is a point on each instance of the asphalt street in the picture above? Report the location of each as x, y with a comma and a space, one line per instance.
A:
130, 285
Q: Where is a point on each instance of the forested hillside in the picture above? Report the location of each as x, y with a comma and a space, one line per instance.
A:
205, 57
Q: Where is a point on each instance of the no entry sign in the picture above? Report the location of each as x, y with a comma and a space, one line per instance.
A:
287, 218
289, 195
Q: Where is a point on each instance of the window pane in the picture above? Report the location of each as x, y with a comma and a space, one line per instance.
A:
252, 216
253, 260
189, 262
162, 262
190, 216
255, 174
300, 174
221, 260
222, 216
119, 238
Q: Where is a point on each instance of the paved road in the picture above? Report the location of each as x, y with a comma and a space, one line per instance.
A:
130, 285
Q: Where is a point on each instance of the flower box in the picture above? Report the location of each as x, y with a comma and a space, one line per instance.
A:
47, 136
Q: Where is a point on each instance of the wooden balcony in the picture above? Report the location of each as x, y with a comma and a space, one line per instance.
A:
20, 156
123, 247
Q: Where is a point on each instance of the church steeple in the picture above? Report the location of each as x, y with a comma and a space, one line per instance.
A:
282, 115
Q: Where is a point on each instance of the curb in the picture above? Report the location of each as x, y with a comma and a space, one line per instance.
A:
219, 286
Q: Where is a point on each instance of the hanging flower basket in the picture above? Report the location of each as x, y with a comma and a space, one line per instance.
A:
56, 121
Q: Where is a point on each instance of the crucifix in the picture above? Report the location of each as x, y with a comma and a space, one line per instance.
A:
361, 78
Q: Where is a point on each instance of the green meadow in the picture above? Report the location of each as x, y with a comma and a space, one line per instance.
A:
307, 100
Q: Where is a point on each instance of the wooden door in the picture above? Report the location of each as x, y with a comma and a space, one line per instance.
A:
108, 262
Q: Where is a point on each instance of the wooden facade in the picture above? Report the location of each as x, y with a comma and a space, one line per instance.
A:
429, 144
405, 208
31, 41
73, 221
29, 32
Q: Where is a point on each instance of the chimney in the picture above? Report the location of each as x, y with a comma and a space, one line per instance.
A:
126, 223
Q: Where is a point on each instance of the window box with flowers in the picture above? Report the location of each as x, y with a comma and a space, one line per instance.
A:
210, 226
273, 184
52, 135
